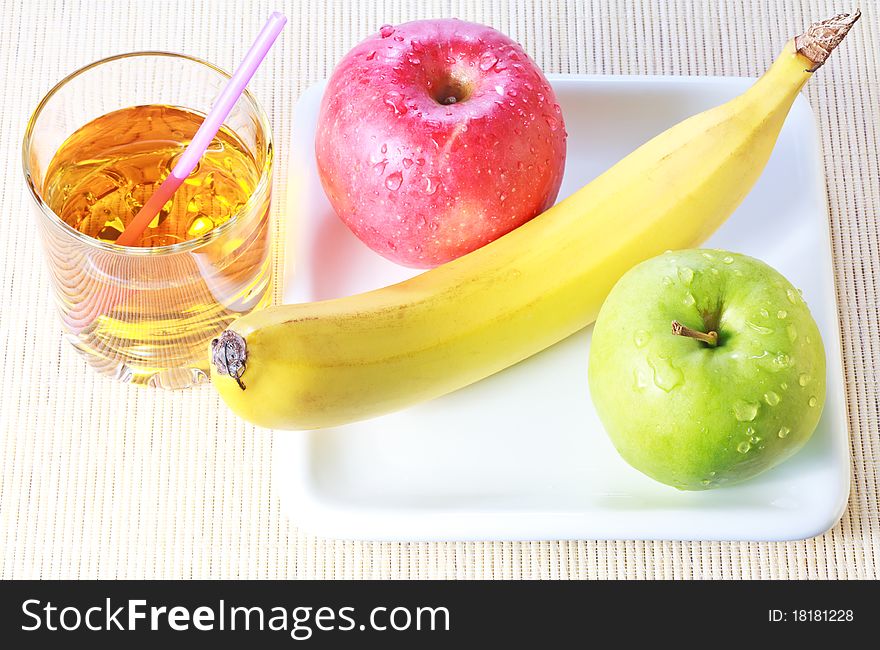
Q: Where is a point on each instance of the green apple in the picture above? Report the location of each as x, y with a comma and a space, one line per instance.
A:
706, 368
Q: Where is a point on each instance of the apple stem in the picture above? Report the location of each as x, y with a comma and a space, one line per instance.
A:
709, 338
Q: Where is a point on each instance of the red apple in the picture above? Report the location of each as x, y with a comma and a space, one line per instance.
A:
436, 137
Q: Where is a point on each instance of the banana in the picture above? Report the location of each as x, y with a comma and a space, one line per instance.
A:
327, 363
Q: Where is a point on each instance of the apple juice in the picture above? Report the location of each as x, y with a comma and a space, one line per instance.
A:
104, 173
155, 307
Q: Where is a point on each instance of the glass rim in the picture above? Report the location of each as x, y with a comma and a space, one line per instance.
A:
179, 247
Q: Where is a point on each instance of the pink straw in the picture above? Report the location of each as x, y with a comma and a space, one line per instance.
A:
199, 144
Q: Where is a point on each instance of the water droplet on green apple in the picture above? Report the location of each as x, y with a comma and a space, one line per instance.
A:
764, 313
813, 401
745, 411
743, 447
689, 300
792, 296
727, 259
640, 338
804, 379
781, 314
783, 386
666, 375
759, 328
783, 432
639, 381
771, 398
779, 361
791, 330
705, 482
708, 256
667, 281
686, 274
393, 181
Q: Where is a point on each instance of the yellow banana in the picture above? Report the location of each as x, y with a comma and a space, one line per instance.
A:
326, 363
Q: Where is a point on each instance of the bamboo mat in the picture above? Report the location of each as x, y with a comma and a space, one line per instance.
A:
105, 480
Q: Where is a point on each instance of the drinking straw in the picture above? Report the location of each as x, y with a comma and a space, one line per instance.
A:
208, 129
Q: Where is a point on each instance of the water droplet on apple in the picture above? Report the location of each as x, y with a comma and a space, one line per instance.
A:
771, 398
764, 313
727, 259
775, 363
395, 100
379, 167
708, 256
743, 447
783, 386
689, 300
640, 338
759, 328
755, 440
371, 55
413, 59
431, 185
393, 181
416, 45
511, 92
488, 61
745, 411
804, 379
666, 375
792, 296
407, 163
639, 381
781, 314
386, 30
686, 274
557, 108
667, 281
783, 432
791, 330
813, 401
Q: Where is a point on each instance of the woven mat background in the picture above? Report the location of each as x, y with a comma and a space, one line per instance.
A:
104, 480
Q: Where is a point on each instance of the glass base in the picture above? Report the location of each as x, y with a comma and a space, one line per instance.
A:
164, 378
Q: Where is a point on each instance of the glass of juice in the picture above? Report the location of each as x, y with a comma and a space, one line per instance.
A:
95, 149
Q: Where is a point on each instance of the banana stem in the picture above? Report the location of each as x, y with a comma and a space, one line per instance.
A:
820, 39
709, 338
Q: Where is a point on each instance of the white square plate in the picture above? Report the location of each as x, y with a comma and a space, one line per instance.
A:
522, 455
